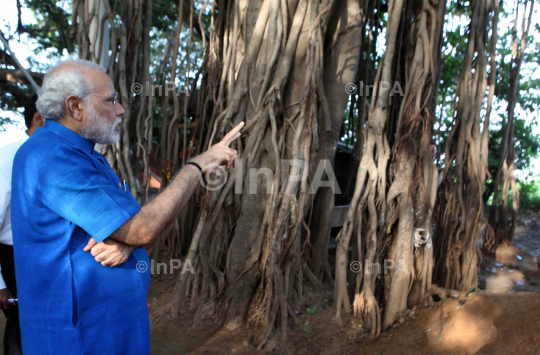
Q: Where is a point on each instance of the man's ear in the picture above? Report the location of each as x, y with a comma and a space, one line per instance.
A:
38, 120
74, 107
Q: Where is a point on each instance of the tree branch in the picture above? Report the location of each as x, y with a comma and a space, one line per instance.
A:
18, 94
196, 24
17, 76
31, 80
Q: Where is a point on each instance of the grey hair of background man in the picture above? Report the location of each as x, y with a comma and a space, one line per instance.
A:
59, 84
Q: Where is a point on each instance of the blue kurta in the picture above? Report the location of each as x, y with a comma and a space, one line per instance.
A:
64, 193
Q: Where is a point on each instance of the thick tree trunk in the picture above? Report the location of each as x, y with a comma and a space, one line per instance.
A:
461, 220
372, 173
283, 61
411, 196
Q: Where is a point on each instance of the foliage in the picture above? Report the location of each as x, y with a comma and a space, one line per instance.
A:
527, 145
51, 33
4, 121
11, 102
52, 28
528, 97
526, 142
529, 195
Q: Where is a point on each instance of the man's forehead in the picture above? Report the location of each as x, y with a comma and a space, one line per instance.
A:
101, 81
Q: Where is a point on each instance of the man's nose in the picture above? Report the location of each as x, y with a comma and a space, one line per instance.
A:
119, 109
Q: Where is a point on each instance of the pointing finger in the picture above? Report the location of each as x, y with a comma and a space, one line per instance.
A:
233, 134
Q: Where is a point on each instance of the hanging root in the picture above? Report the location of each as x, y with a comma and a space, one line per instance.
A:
308, 274
366, 306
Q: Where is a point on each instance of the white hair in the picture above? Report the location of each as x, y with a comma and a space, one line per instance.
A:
97, 128
59, 84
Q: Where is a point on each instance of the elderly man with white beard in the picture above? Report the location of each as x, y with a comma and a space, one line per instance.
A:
78, 231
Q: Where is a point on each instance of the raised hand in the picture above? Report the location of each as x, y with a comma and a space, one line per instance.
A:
220, 154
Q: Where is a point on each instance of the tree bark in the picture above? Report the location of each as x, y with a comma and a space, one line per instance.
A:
505, 180
460, 221
298, 56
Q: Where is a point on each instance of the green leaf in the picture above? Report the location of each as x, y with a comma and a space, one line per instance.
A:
470, 291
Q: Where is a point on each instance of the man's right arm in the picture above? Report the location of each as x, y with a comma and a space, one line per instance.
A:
146, 225
142, 228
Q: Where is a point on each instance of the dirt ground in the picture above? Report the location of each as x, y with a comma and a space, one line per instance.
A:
503, 317
483, 323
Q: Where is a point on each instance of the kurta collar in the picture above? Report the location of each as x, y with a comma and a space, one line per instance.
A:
70, 136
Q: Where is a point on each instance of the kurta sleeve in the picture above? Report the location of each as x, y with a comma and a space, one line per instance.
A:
73, 187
